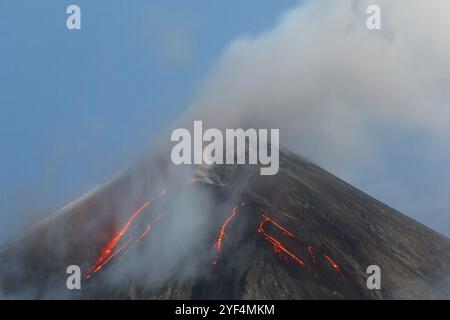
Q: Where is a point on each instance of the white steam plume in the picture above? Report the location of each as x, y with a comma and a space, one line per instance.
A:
330, 84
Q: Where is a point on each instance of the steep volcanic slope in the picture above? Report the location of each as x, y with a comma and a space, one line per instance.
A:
227, 232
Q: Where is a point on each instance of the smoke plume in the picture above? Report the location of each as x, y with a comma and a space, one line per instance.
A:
331, 84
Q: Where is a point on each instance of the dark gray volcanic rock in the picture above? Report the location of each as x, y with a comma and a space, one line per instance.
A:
301, 234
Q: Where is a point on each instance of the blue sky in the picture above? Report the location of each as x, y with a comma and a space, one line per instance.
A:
80, 106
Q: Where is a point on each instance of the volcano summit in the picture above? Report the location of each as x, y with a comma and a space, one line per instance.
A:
240, 145
158, 232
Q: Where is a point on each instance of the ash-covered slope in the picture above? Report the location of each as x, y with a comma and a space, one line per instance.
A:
227, 232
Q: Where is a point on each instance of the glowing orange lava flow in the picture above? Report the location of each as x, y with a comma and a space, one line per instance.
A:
280, 249
334, 264
112, 244
222, 234
112, 255
277, 246
285, 231
106, 255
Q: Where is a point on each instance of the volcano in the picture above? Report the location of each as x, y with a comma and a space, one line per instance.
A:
226, 232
